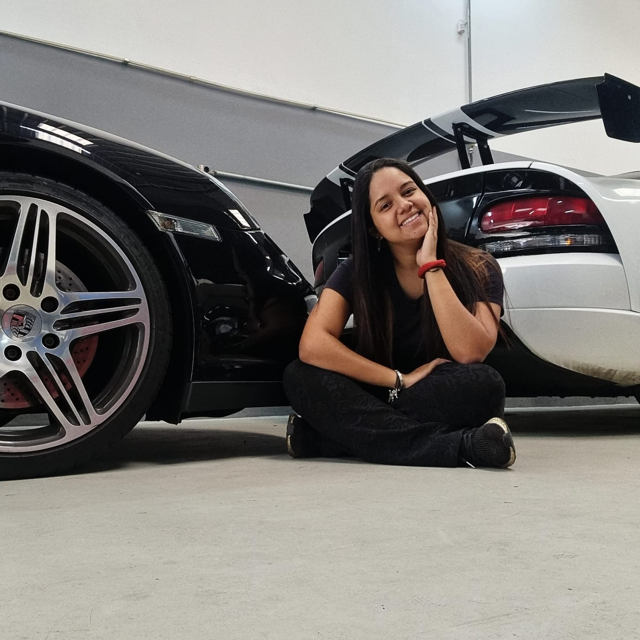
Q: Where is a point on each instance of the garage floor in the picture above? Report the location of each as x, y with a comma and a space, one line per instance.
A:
210, 531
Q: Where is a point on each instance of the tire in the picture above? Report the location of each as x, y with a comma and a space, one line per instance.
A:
85, 330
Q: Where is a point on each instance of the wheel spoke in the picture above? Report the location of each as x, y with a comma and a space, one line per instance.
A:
18, 241
81, 390
87, 312
89, 330
68, 420
34, 234
103, 299
33, 253
49, 271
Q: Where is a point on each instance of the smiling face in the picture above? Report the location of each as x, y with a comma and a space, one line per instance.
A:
399, 209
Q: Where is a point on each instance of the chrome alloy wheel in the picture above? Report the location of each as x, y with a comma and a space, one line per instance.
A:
47, 319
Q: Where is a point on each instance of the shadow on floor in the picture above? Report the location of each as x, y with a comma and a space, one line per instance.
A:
183, 444
584, 422
177, 445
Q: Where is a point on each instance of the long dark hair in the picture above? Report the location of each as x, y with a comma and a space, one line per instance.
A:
468, 271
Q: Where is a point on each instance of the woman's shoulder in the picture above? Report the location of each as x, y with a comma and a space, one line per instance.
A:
341, 280
344, 268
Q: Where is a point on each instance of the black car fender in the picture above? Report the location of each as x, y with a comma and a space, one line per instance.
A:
161, 198
101, 182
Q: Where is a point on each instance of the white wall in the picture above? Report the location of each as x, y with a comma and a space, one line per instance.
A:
521, 43
400, 60
373, 57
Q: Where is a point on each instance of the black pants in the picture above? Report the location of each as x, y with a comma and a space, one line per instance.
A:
423, 427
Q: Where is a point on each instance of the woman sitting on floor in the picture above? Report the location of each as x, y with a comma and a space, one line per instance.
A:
426, 314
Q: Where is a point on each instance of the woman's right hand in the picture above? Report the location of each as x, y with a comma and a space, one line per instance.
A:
421, 372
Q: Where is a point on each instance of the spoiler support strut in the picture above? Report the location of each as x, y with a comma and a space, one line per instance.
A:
459, 132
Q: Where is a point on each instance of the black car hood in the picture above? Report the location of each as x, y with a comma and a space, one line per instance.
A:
614, 100
153, 179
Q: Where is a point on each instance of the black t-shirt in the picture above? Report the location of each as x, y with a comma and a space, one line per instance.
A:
409, 350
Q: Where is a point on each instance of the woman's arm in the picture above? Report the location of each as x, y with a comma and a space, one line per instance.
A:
469, 337
320, 346
320, 343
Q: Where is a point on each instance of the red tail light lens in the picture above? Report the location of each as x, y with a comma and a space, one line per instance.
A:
540, 211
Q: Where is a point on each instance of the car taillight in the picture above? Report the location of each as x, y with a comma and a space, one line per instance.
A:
540, 211
548, 242
540, 223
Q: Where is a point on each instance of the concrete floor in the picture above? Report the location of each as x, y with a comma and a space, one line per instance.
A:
209, 530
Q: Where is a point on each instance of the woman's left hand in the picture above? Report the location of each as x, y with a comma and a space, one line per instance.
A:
422, 372
428, 249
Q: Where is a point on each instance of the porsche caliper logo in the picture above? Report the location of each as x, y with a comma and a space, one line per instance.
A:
21, 323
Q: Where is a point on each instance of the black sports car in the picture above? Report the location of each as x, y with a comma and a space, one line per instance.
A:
130, 284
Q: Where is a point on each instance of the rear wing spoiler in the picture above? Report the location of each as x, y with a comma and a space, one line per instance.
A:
611, 99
